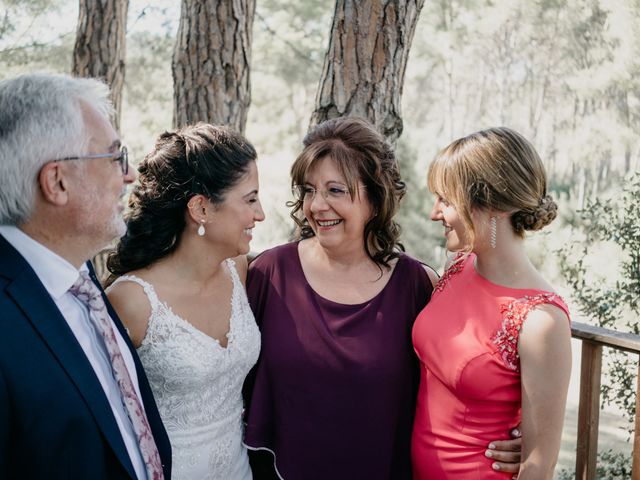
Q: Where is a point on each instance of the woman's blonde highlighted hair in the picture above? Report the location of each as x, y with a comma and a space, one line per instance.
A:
496, 169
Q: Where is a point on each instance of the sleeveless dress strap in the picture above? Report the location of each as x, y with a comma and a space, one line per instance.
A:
514, 313
231, 265
146, 286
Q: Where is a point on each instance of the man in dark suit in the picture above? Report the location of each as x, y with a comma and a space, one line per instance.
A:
74, 400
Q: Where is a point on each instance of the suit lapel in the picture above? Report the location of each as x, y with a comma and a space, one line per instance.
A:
39, 308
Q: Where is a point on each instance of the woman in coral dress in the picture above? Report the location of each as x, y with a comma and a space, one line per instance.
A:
494, 341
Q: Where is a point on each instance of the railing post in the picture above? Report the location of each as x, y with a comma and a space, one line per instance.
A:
635, 469
589, 411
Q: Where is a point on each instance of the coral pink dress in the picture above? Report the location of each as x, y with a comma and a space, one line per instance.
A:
466, 339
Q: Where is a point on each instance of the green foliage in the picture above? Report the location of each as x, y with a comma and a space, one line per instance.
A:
290, 40
610, 466
564, 73
421, 237
6, 27
611, 302
26, 41
148, 90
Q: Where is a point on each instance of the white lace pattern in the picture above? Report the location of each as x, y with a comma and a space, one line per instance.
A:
197, 385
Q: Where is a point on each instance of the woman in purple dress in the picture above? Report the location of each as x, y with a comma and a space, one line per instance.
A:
333, 393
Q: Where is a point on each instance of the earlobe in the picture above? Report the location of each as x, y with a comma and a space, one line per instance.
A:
53, 184
197, 208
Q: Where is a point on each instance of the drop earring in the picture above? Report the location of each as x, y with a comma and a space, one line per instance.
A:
201, 229
494, 228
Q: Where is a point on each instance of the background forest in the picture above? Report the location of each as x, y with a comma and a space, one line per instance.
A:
564, 73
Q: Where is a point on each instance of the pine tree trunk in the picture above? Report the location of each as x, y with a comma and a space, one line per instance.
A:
211, 77
364, 68
100, 45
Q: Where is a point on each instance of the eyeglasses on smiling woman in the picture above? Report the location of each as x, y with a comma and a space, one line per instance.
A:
121, 156
333, 192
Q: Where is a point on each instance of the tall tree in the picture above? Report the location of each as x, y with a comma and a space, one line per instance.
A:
364, 67
100, 45
211, 62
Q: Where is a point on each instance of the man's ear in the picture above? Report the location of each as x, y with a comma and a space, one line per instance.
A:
53, 184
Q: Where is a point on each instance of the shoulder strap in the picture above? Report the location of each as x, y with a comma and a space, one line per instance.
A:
146, 286
231, 265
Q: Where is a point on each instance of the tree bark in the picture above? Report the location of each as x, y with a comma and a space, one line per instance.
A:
100, 45
364, 67
211, 77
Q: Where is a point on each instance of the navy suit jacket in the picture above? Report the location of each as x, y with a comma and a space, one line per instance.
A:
55, 420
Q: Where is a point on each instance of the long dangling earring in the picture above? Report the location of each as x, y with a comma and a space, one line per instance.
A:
494, 229
201, 229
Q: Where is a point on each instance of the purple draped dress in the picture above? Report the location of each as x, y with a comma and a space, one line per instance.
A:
333, 393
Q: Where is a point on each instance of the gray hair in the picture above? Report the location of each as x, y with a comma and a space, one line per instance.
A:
41, 120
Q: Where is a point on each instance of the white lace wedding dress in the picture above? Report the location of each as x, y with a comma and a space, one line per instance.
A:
197, 385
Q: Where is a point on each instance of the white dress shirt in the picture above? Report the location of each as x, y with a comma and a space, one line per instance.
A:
57, 275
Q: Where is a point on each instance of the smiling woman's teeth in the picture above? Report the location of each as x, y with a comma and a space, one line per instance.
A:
248, 231
328, 223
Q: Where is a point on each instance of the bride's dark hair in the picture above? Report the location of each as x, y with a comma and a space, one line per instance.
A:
197, 159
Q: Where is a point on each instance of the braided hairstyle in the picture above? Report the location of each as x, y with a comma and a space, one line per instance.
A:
361, 154
199, 159
496, 169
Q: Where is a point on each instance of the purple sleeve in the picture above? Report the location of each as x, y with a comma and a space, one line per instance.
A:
258, 281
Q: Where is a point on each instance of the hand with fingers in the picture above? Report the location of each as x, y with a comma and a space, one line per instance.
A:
506, 453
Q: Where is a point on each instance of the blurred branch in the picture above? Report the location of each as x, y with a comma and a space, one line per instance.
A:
33, 20
35, 44
273, 33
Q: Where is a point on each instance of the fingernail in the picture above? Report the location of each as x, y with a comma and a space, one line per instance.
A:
495, 466
492, 446
488, 453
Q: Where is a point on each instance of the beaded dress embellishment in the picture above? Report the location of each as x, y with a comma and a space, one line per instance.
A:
514, 313
454, 267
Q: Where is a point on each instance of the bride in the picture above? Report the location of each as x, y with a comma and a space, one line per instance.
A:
182, 296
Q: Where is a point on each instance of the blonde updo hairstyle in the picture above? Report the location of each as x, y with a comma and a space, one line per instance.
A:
496, 169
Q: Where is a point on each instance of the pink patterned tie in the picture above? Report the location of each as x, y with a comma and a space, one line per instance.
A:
88, 293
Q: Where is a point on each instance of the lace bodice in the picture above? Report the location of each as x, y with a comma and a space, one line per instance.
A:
197, 384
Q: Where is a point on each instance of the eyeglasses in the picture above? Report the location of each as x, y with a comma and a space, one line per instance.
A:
121, 156
334, 192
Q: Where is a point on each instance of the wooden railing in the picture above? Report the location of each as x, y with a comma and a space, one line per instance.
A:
593, 339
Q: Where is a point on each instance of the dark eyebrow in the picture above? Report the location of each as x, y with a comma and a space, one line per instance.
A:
327, 183
252, 192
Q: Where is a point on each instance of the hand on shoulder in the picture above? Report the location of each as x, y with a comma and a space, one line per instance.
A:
132, 306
